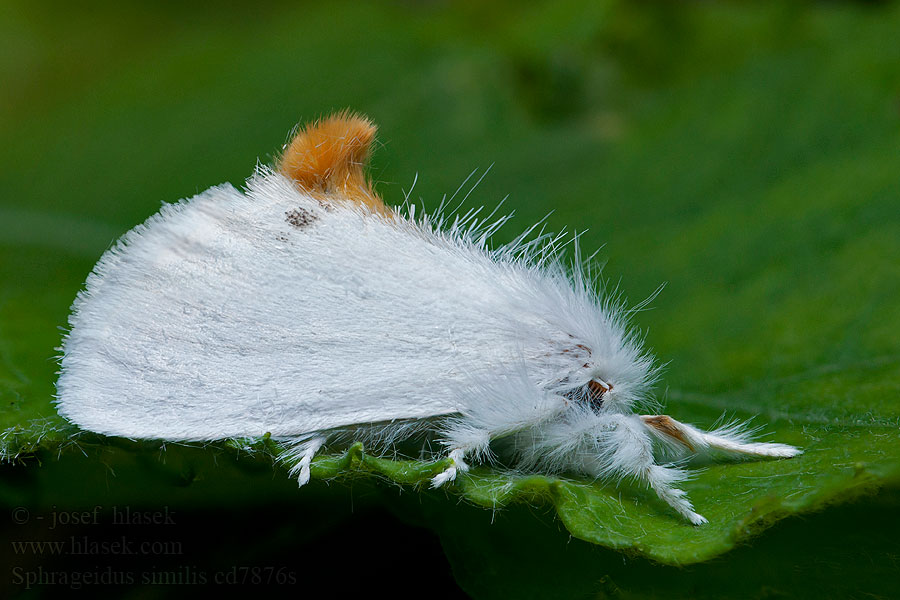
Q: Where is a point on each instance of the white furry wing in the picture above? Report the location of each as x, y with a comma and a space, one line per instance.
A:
235, 314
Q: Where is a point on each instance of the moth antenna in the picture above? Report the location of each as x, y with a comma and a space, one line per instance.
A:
327, 160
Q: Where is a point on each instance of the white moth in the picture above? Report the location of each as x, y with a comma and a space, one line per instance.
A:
305, 308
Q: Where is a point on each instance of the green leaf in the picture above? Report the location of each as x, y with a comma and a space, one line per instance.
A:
747, 156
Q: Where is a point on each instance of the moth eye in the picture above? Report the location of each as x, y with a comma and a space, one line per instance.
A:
596, 390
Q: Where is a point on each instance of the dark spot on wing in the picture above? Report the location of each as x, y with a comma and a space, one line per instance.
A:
299, 217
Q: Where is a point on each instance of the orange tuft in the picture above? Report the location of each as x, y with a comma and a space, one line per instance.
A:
327, 158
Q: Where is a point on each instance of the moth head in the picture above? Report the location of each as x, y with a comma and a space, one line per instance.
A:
596, 394
596, 390
607, 378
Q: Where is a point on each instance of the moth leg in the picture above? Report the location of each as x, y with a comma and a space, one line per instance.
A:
457, 463
305, 451
628, 452
471, 434
730, 440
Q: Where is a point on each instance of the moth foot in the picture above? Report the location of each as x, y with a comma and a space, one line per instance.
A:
457, 464
443, 477
694, 518
303, 477
678, 500
777, 450
306, 451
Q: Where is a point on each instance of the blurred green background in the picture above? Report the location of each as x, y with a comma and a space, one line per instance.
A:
745, 154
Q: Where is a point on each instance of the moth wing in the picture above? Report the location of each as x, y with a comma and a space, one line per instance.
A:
236, 315
300, 305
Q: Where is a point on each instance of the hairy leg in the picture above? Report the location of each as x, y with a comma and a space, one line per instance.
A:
730, 440
457, 464
304, 451
470, 434
625, 449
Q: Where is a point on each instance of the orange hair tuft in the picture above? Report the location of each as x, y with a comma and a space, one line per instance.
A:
327, 160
